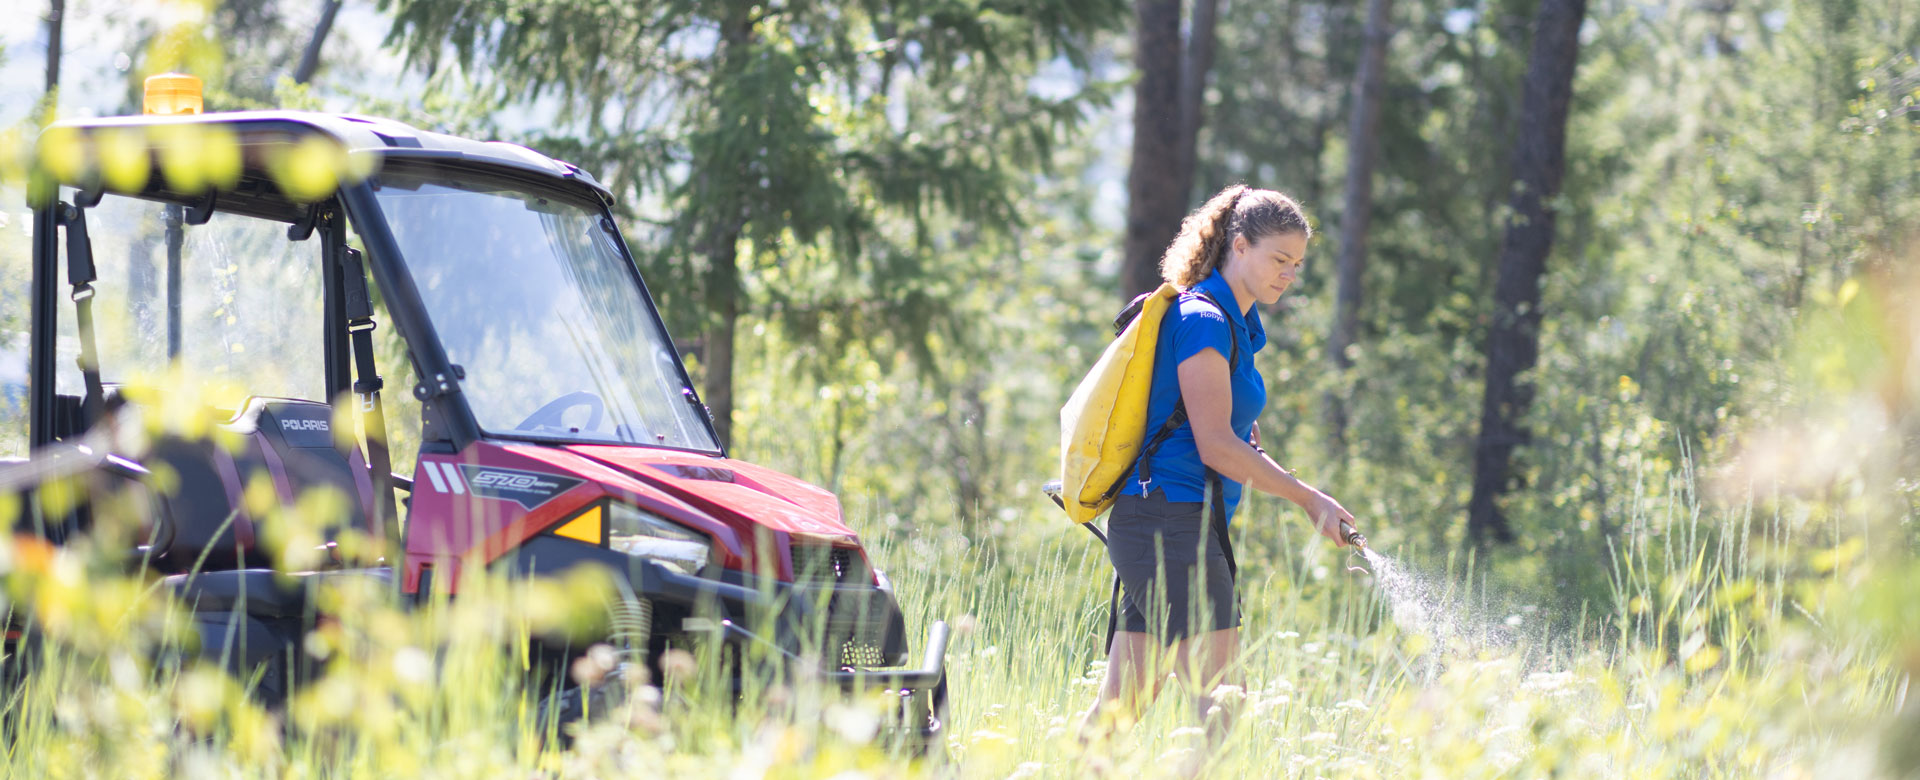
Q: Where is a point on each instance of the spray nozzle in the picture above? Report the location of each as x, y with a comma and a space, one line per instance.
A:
1358, 541
1353, 535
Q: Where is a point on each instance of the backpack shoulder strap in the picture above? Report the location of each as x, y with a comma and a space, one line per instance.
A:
1132, 311
1144, 464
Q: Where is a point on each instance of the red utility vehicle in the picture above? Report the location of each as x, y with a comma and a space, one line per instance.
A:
554, 422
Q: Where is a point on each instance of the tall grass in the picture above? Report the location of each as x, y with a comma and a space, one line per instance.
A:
1766, 631
1740, 643
1716, 660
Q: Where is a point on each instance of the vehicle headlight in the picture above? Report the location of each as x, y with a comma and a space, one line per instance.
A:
643, 535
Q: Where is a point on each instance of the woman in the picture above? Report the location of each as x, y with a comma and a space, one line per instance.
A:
1245, 246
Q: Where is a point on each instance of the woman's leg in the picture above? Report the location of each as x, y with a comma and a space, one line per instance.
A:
1130, 683
1223, 668
1205, 663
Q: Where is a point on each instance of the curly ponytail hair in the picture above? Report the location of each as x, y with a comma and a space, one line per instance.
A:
1238, 210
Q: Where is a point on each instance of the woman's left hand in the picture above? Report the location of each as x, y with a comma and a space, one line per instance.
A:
1327, 516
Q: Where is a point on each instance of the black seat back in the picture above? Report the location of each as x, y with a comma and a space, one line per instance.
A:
206, 519
286, 443
297, 438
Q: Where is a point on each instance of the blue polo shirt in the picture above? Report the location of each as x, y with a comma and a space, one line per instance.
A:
1191, 326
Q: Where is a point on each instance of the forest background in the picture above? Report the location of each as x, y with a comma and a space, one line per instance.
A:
1585, 269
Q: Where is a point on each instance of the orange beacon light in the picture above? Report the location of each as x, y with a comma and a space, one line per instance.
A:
172, 93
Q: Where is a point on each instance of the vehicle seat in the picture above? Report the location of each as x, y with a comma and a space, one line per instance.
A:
261, 593
204, 511
256, 592
288, 441
295, 440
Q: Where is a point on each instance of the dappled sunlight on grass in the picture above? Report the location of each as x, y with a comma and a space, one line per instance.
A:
1754, 618
1768, 637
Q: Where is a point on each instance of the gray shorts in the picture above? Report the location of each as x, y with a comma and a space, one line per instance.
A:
1173, 568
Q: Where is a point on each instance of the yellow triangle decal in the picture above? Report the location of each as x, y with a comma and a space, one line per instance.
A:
586, 527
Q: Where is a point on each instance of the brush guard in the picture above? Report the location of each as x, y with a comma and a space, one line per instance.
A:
918, 723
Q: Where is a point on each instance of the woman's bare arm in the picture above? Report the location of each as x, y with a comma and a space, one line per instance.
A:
1204, 376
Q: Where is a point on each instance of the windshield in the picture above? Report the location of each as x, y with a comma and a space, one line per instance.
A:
536, 303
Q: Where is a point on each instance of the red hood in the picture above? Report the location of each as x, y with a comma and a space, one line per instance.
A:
722, 485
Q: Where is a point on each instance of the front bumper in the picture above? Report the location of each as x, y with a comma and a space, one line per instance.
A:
931, 672
854, 633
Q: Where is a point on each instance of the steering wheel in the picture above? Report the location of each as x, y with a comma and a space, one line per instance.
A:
548, 416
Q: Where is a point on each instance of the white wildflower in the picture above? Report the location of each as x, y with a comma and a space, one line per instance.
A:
858, 725
412, 664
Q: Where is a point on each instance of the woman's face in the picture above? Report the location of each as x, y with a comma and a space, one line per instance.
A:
1267, 267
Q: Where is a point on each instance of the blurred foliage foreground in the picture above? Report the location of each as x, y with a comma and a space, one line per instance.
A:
1754, 615
1761, 624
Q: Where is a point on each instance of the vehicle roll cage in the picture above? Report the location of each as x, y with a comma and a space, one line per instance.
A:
449, 422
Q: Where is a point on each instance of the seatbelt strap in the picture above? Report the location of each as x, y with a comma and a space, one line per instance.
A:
81, 274
366, 391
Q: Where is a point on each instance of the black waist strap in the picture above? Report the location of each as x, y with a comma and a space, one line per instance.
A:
1217, 517
1215, 507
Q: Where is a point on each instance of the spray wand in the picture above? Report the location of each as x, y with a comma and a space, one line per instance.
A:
1353, 535
1359, 542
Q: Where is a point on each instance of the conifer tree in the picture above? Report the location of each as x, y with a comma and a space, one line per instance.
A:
751, 131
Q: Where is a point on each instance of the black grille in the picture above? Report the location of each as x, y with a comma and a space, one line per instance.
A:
828, 565
858, 615
857, 624
860, 653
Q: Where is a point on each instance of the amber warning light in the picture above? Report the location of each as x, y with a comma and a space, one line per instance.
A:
172, 93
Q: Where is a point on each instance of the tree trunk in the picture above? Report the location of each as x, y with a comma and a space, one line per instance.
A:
56, 13
1513, 341
1194, 68
725, 225
310, 59
723, 298
1155, 201
1362, 148
966, 421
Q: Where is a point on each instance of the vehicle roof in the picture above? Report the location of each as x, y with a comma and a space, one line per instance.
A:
385, 139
